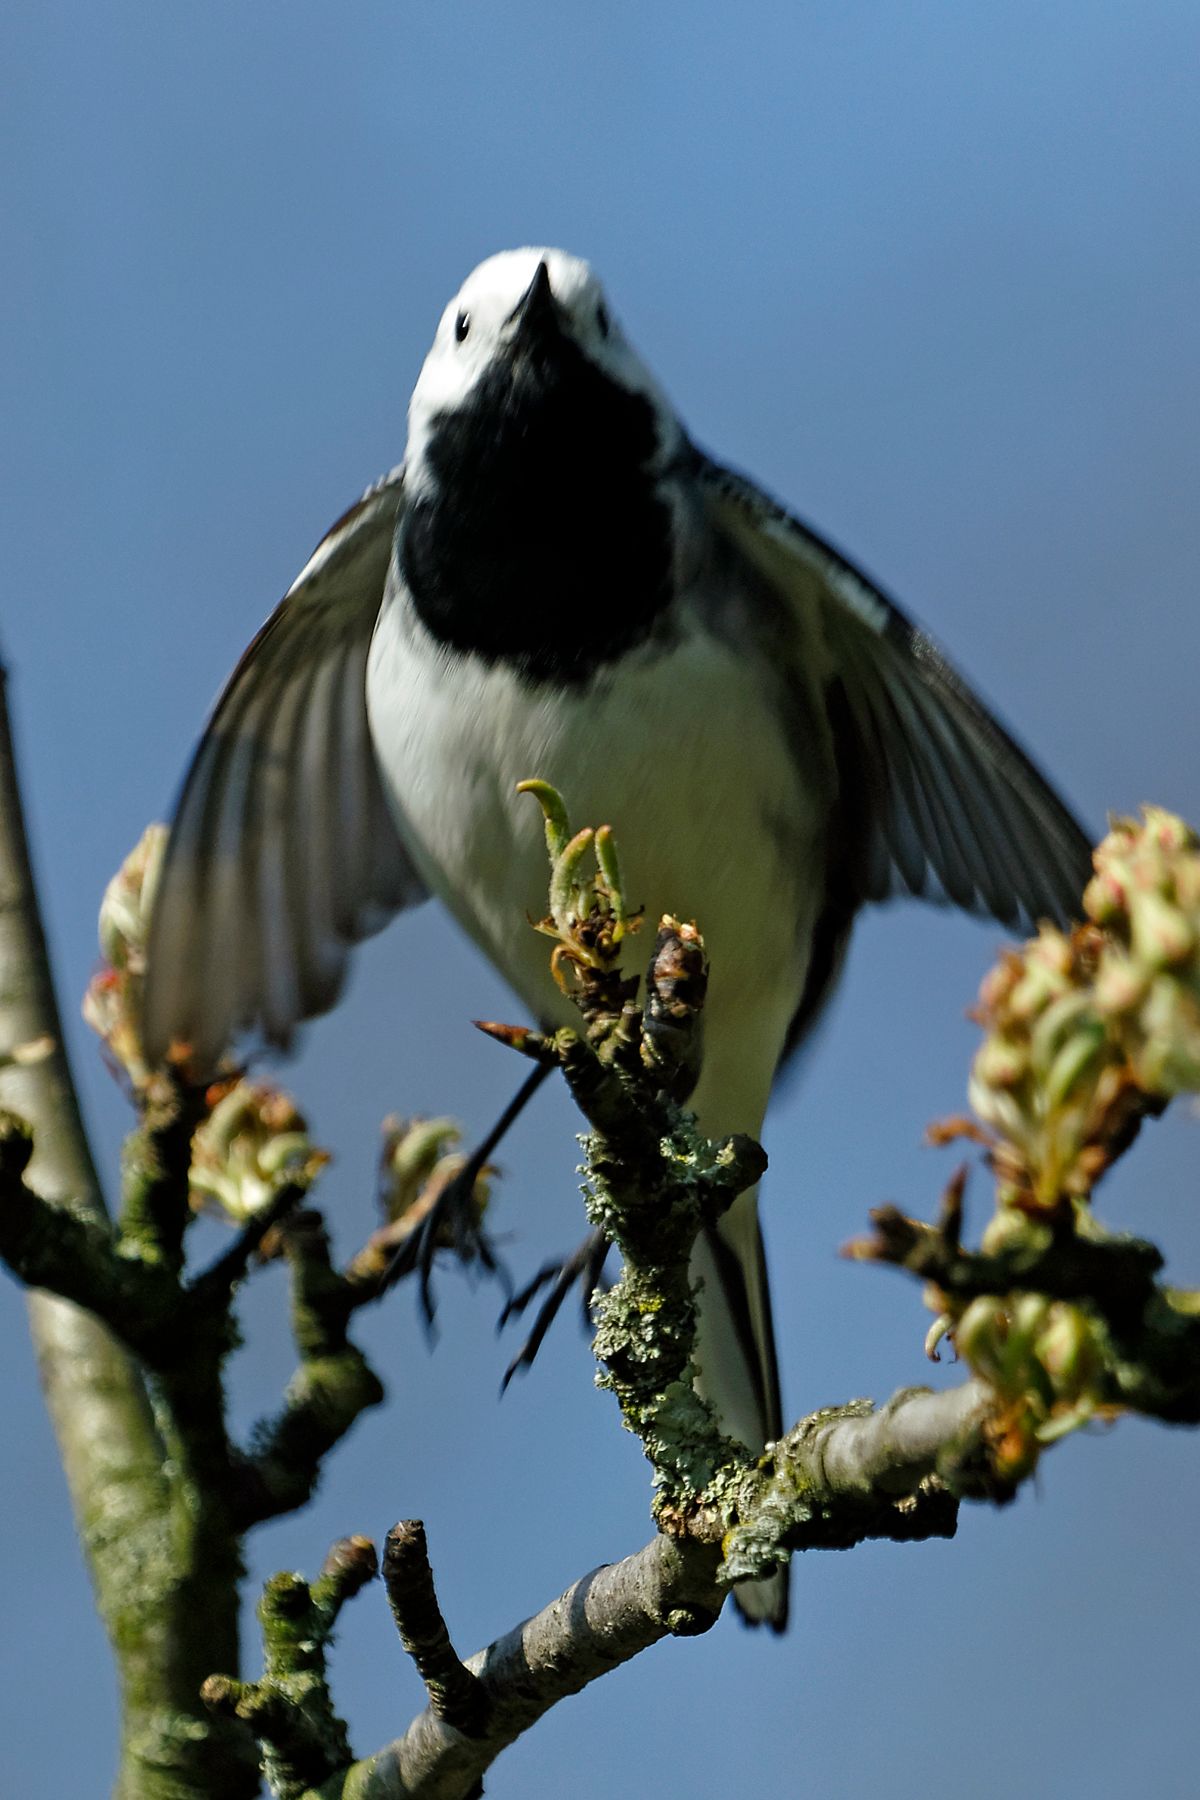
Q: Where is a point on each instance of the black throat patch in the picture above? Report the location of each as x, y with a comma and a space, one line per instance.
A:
543, 542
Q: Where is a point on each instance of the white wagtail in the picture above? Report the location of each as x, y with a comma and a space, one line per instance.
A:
558, 583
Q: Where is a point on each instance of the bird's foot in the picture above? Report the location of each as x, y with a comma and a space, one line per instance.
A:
585, 1264
452, 1222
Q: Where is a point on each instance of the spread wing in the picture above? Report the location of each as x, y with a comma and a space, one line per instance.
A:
938, 799
282, 853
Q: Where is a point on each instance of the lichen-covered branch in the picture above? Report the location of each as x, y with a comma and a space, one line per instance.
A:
651, 1179
68, 1251
844, 1475
855, 1472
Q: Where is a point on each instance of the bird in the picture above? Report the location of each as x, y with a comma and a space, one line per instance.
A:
558, 582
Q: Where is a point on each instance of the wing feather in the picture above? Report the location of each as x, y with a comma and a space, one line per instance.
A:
939, 799
282, 853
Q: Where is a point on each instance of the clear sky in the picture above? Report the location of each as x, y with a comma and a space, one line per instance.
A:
931, 272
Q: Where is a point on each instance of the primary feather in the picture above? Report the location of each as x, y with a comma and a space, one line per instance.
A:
283, 852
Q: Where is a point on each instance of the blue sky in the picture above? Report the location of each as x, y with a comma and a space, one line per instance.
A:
931, 272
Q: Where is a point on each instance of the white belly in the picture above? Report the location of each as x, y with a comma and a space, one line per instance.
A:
681, 757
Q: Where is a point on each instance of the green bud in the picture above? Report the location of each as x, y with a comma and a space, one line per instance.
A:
125, 908
610, 868
1078, 1059
1104, 898
980, 1334
1066, 1348
252, 1142
1000, 1063
566, 902
1120, 984
1162, 934
554, 811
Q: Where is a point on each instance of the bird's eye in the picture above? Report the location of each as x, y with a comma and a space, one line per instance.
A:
461, 326
602, 319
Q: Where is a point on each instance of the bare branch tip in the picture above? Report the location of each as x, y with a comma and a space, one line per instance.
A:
456, 1696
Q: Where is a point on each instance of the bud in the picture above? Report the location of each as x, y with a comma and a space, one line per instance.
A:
1039, 1080
252, 1143
1028, 1314
112, 1004
676, 984
413, 1152
1147, 895
1120, 984
980, 1336
1162, 935
1166, 1056
128, 899
1067, 1350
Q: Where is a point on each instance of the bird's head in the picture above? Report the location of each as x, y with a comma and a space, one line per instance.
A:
524, 324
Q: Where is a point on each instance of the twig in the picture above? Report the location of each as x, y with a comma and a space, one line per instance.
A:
333, 1385
71, 1255
155, 1158
216, 1282
349, 1565
1147, 1335
1115, 1273
455, 1695
290, 1710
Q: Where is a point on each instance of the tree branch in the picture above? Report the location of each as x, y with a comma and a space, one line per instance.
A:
110, 1444
215, 1284
836, 1478
1146, 1334
290, 1710
455, 1695
332, 1386
601, 1622
155, 1159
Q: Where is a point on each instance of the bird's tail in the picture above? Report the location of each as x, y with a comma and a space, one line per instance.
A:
735, 1350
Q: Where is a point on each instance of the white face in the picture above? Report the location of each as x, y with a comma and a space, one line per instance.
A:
477, 326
